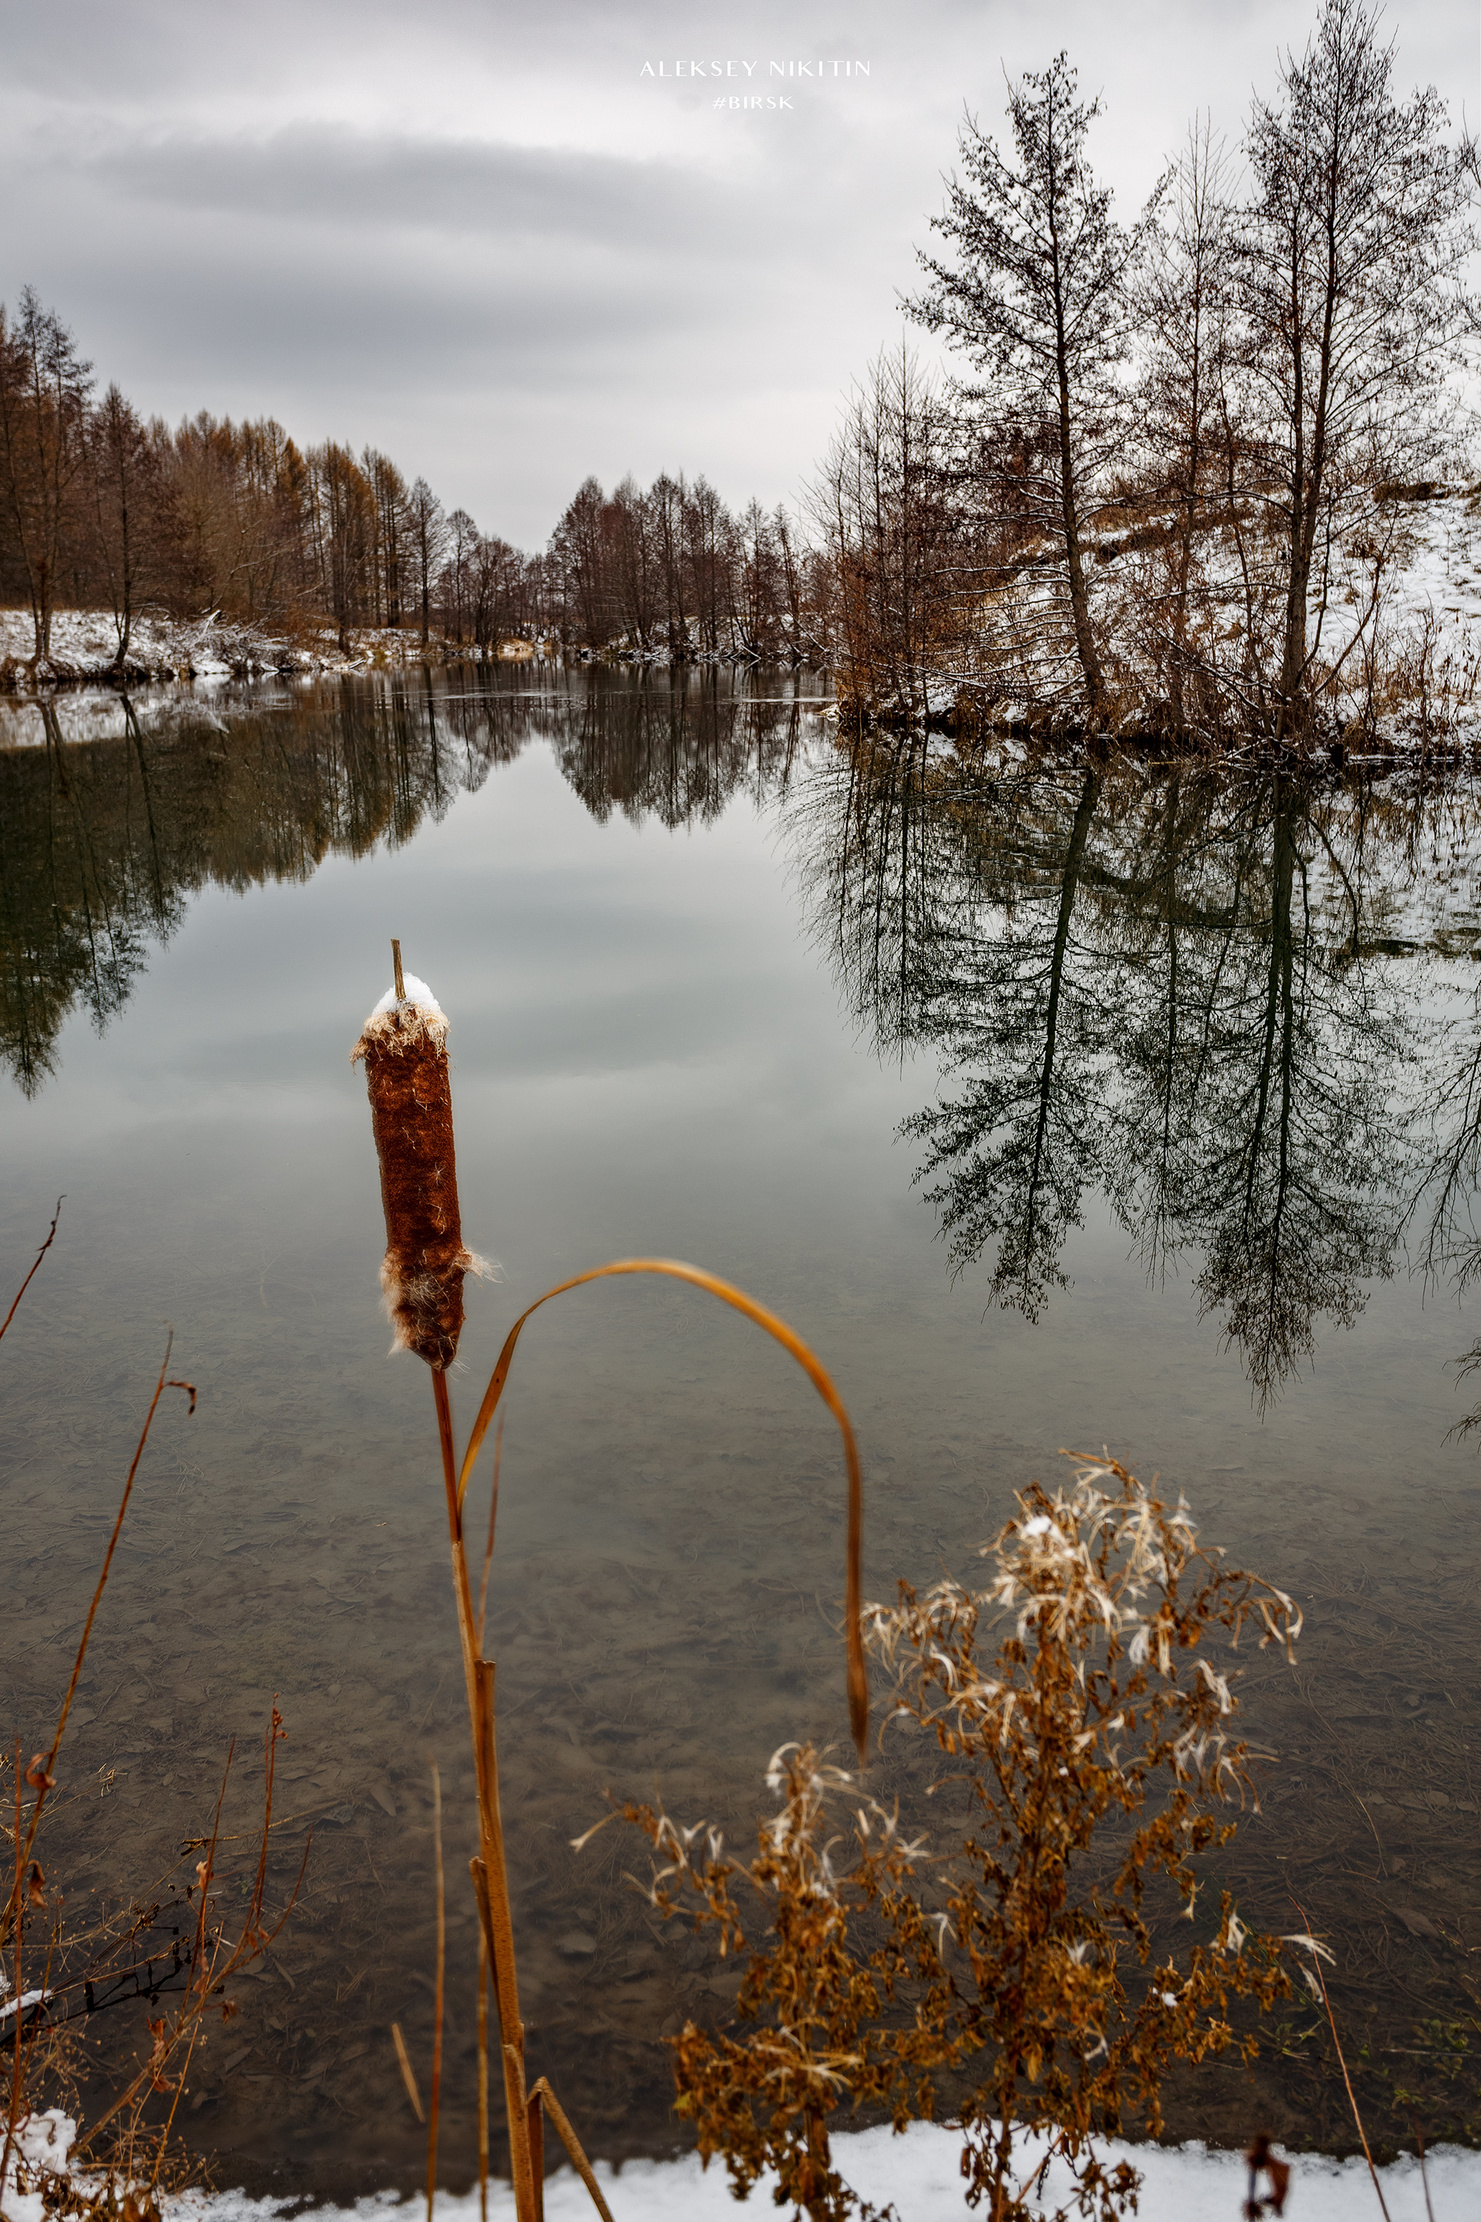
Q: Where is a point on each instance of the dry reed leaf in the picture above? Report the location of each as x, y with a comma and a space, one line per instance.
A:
406, 2075
674, 1269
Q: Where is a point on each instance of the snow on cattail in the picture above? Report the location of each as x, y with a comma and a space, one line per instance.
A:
404, 1045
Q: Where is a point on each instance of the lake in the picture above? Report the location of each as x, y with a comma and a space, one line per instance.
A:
1057, 1104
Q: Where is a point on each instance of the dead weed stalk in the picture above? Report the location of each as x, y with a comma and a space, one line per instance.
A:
119, 2165
1011, 1980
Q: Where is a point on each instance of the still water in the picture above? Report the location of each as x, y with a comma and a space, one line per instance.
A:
1055, 1105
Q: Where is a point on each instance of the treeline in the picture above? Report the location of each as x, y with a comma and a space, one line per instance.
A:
1167, 484
100, 509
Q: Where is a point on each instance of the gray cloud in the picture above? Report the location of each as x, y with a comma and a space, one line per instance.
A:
333, 177
480, 240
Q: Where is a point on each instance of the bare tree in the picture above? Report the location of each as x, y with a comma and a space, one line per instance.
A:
44, 385
578, 547
1182, 311
1038, 300
880, 502
392, 527
666, 499
125, 502
1349, 268
428, 540
345, 525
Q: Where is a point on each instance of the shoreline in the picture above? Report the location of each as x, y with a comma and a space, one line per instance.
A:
919, 2173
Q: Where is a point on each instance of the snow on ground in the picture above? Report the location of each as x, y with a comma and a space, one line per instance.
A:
208, 650
85, 643
919, 2173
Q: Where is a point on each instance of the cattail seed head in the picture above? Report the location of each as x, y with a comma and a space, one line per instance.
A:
404, 1045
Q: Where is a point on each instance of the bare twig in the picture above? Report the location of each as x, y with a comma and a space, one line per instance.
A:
40, 1254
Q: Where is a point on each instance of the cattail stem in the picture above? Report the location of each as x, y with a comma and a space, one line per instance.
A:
490, 1877
403, 1045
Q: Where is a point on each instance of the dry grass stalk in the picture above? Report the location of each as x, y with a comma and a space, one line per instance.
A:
408, 2077
434, 2104
738, 1300
542, 2095
1318, 1982
117, 2165
39, 1774
536, 2115
1076, 1702
124, 2154
403, 1045
483, 2077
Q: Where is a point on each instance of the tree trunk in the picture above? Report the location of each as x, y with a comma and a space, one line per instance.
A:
1095, 686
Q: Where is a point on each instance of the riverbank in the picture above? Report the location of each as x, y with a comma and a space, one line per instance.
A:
1393, 631
84, 651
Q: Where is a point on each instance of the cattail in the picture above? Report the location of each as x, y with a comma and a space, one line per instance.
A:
405, 1050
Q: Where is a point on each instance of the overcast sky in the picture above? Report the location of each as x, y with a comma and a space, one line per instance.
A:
485, 240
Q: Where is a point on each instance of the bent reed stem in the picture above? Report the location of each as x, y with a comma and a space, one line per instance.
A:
674, 1269
523, 2107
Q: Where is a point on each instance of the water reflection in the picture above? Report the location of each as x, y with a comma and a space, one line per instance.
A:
1242, 1012
104, 840
1240, 1004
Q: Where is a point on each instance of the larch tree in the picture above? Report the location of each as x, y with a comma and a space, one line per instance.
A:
428, 536
123, 491
1038, 300
44, 385
1183, 319
1350, 267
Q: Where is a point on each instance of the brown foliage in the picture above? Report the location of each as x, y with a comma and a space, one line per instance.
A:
1014, 1981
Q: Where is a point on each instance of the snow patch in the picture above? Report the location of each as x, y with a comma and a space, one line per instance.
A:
418, 992
41, 2147
919, 2172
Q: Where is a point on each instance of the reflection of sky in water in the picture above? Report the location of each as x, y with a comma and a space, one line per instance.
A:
649, 1054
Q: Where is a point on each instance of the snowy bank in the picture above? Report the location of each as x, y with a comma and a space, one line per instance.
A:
918, 2172
84, 648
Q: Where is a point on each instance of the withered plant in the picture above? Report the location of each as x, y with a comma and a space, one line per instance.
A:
176, 1950
1021, 1981
173, 1948
404, 1046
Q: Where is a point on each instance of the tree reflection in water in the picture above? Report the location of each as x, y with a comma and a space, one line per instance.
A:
1237, 1002
102, 842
